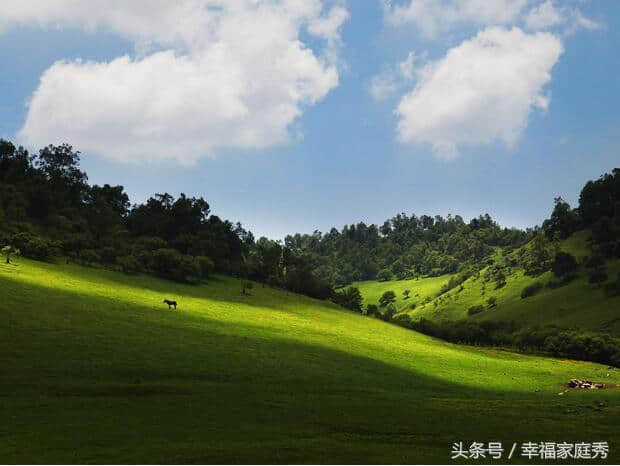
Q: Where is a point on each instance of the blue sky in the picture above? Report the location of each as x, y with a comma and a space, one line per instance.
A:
344, 154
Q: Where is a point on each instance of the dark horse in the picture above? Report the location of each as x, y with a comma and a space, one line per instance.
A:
170, 303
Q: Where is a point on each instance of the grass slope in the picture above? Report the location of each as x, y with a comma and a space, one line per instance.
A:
419, 288
578, 304
95, 369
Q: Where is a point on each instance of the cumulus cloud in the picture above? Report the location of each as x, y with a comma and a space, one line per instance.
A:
436, 16
547, 15
216, 74
481, 92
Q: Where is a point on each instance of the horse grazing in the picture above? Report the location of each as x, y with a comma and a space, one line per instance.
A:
170, 303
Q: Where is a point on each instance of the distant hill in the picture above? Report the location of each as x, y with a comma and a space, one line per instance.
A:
576, 304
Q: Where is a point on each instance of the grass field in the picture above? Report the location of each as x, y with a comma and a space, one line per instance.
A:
578, 304
95, 369
419, 288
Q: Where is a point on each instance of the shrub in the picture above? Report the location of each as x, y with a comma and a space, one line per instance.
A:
613, 288
387, 298
8, 251
384, 275
40, 248
205, 265
349, 298
454, 282
372, 310
389, 313
475, 310
171, 264
564, 264
492, 302
128, 264
595, 261
531, 290
89, 256
412, 306
597, 276
558, 282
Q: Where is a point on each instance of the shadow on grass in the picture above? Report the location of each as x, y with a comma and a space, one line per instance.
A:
201, 390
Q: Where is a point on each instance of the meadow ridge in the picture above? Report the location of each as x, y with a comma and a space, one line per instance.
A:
577, 304
96, 369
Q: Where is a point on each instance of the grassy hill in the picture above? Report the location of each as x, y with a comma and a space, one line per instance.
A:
577, 304
95, 369
420, 289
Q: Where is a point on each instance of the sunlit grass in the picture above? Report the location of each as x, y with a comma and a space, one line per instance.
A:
97, 369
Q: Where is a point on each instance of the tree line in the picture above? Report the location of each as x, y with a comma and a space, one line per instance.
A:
48, 209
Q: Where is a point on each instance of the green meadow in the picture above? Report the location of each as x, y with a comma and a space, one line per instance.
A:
579, 304
94, 368
420, 289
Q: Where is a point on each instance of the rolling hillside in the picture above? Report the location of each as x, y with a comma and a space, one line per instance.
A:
577, 304
95, 369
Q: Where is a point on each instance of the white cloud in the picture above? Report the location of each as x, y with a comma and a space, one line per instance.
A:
406, 66
233, 73
481, 92
547, 15
383, 85
435, 16
543, 16
390, 80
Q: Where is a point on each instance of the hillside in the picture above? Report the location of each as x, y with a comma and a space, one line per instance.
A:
96, 369
577, 304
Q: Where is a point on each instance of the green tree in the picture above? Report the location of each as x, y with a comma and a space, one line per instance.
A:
387, 298
564, 264
563, 221
8, 251
372, 310
349, 298
384, 275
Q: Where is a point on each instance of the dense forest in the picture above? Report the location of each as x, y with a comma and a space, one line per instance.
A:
404, 247
410, 246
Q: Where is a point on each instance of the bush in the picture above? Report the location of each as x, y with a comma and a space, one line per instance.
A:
564, 264
384, 275
171, 264
454, 282
584, 345
389, 313
372, 310
128, 264
205, 265
595, 261
613, 288
561, 281
475, 310
8, 251
349, 298
389, 297
492, 302
598, 276
531, 290
89, 256
38, 247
